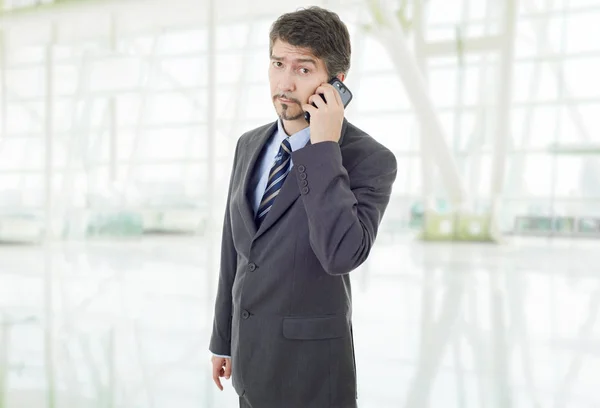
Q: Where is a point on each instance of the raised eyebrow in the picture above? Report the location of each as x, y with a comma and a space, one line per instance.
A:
309, 60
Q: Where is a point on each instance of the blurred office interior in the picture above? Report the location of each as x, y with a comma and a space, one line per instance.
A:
118, 120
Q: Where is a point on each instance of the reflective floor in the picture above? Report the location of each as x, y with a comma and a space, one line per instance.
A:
127, 324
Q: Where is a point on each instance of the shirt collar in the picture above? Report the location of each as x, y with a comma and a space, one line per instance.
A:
298, 140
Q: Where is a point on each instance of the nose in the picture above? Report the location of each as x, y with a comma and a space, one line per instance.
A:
286, 83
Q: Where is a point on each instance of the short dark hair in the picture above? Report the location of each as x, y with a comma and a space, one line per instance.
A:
322, 31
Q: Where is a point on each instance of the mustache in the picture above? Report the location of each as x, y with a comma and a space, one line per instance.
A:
284, 96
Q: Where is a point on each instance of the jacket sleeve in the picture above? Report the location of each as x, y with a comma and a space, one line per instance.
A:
343, 212
220, 342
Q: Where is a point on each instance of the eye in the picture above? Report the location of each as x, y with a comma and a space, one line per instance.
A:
304, 71
277, 64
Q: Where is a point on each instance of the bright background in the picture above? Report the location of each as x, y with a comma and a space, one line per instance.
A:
118, 121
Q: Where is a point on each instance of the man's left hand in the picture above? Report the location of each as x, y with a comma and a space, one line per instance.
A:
327, 118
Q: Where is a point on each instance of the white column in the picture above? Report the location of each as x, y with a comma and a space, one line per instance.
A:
3, 83
211, 126
426, 157
113, 153
504, 108
391, 35
48, 133
49, 347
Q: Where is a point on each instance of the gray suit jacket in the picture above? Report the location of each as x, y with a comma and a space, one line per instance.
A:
284, 304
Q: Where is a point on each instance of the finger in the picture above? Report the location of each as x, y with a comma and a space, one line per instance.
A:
227, 368
216, 378
333, 95
317, 100
310, 109
330, 94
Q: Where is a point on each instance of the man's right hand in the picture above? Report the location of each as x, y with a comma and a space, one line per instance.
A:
221, 367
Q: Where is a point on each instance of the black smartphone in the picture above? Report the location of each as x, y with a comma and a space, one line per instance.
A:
342, 90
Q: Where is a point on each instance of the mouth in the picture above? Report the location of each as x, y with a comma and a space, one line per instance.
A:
285, 100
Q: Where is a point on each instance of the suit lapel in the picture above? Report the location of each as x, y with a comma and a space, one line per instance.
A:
287, 196
245, 204
289, 191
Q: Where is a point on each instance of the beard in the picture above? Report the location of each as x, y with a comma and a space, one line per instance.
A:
290, 114
288, 111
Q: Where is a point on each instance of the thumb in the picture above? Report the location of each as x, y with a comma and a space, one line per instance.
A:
227, 368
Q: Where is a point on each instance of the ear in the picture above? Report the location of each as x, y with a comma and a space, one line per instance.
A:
341, 76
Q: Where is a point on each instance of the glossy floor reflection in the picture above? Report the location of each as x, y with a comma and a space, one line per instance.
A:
126, 324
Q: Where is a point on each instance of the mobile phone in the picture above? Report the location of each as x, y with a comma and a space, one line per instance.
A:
342, 90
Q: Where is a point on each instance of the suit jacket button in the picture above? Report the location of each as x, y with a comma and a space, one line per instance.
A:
302, 176
305, 190
301, 169
303, 183
245, 314
251, 267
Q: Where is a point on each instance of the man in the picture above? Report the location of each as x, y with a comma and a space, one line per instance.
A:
303, 209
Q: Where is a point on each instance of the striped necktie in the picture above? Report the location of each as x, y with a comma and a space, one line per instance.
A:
277, 176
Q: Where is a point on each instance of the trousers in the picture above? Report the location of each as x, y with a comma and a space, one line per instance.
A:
244, 403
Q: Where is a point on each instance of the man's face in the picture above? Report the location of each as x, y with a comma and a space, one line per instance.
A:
294, 74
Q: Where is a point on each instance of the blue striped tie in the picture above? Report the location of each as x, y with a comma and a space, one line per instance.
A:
277, 176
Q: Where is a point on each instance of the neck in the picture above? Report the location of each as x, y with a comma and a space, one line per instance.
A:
293, 126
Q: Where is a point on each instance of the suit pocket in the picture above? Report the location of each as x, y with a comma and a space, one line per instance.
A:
314, 328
